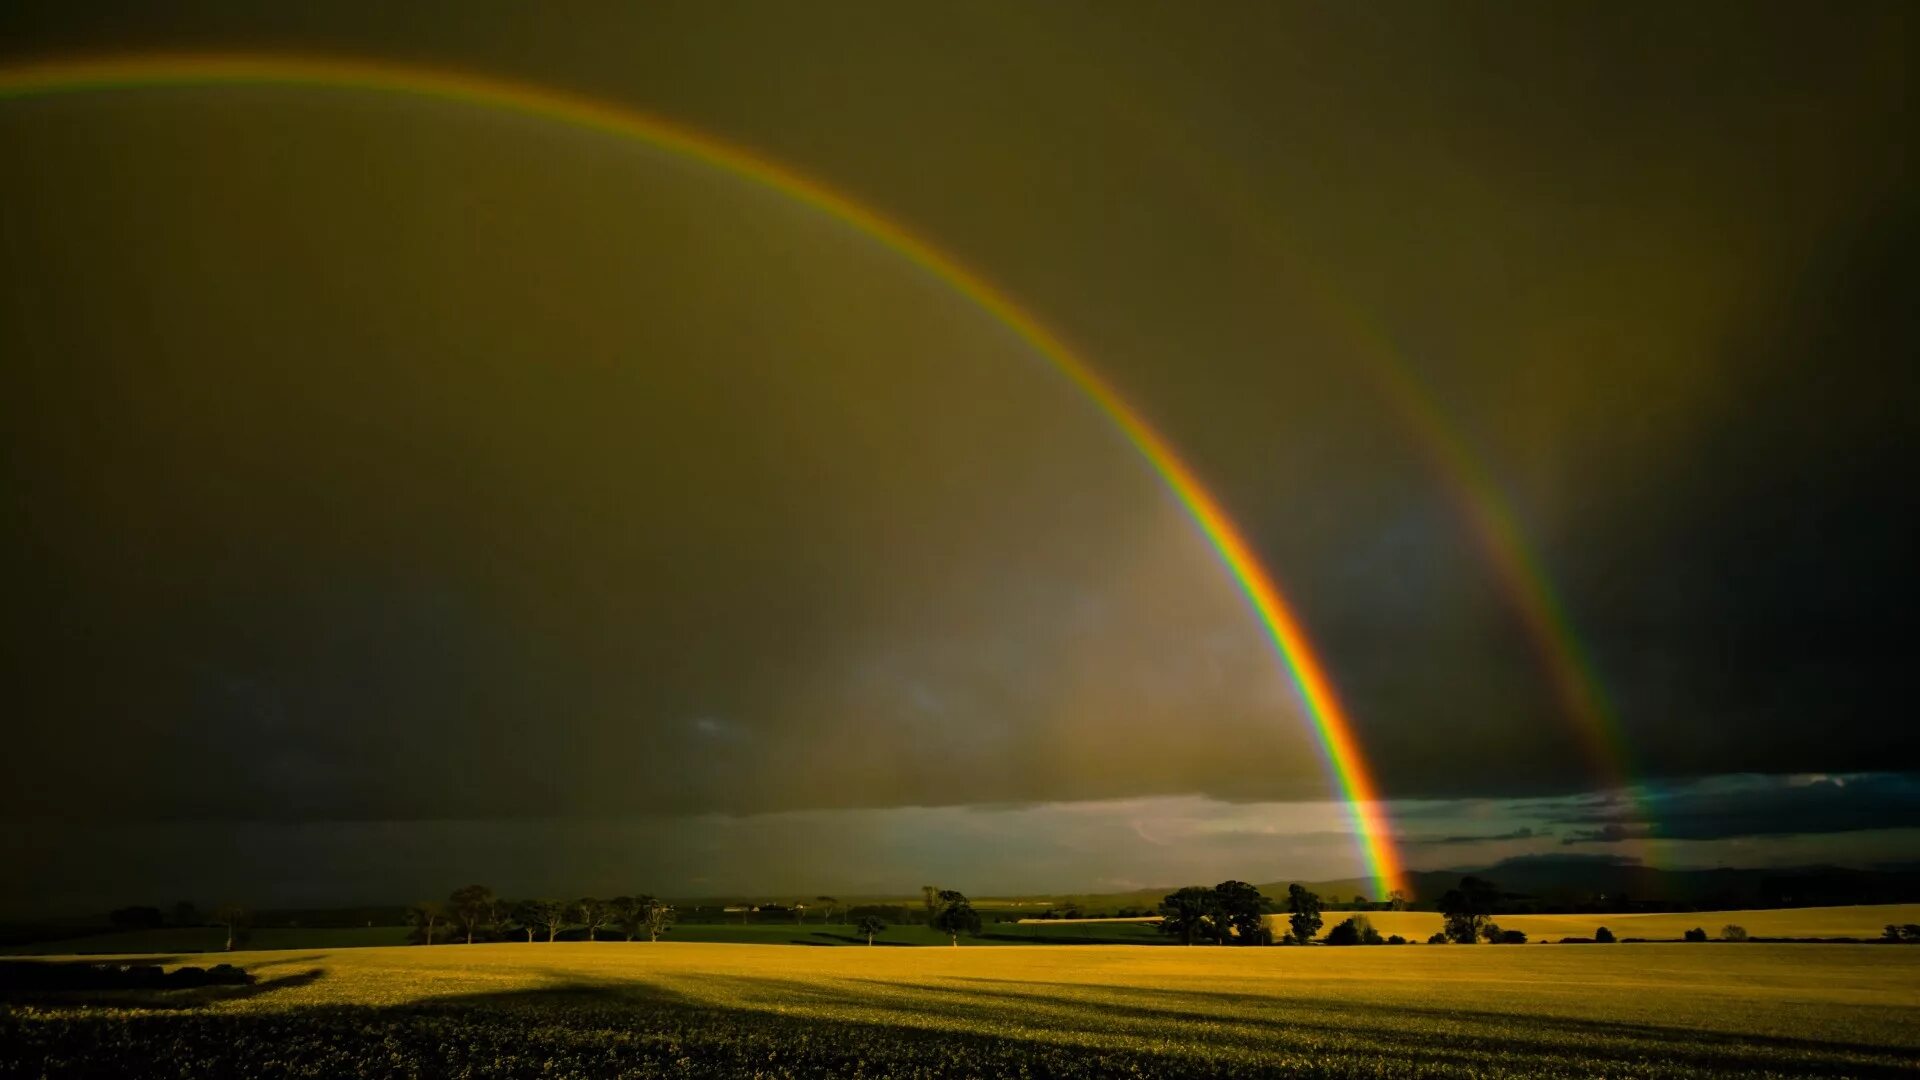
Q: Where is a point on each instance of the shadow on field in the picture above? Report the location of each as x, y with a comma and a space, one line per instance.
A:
715, 1025
135, 986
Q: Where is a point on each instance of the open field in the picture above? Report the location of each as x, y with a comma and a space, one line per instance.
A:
1864, 921
710, 1009
1859, 922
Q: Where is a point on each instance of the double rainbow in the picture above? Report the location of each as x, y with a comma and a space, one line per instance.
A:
1331, 723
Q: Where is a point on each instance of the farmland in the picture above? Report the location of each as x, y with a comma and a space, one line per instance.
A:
1864, 921
572, 1009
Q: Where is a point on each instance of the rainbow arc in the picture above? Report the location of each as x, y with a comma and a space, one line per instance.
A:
1282, 625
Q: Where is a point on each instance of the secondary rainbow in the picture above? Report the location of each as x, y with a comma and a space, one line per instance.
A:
1330, 721
1563, 656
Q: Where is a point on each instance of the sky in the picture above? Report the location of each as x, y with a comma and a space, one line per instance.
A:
400, 492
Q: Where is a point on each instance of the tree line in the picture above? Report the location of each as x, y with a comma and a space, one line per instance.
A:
473, 913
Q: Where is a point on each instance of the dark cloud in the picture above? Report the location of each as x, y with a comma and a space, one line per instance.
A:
377, 460
1742, 806
1524, 832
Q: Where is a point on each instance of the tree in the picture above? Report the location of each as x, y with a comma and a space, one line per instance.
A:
1696, 934
956, 916
655, 915
1397, 900
930, 898
869, 925
1438, 938
1189, 912
1603, 935
1468, 909
1510, 937
1490, 930
590, 913
1733, 932
426, 915
828, 905
135, 918
1357, 930
1396, 939
526, 915
553, 916
624, 912
1304, 919
474, 908
235, 918
1243, 911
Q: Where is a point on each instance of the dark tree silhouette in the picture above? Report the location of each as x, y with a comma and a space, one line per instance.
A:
235, 918
525, 915
660, 916
1189, 912
828, 905
1243, 912
1355, 931
1468, 909
590, 913
425, 916
956, 916
474, 908
135, 918
1696, 934
1303, 908
551, 915
869, 925
1603, 935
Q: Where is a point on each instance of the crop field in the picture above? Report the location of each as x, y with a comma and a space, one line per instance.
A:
1863, 921
681, 1009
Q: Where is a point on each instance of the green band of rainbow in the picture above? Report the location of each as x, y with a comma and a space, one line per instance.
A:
1330, 722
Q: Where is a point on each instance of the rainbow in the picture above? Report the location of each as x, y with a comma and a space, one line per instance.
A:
1563, 657
1331, 723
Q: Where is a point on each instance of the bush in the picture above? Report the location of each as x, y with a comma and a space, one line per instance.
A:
1732, 932
1357, 930
1511, 937
1437, 939
1696, 934
1603, 935
1396, 939
1575, 941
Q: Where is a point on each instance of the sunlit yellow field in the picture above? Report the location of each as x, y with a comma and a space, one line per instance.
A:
1862, 921
677, 1008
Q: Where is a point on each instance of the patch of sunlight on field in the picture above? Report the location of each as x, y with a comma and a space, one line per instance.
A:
1863, 921
689, 1009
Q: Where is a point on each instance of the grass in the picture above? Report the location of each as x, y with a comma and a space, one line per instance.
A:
1864, 921
716, 1009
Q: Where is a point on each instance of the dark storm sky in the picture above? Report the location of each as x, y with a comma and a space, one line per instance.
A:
377, 464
